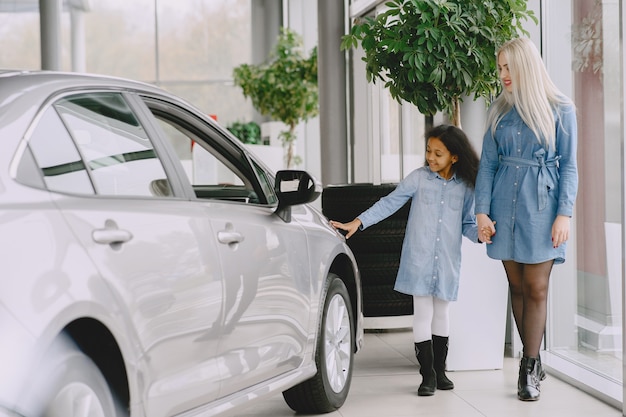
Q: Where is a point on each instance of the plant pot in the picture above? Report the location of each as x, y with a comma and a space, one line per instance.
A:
478, 317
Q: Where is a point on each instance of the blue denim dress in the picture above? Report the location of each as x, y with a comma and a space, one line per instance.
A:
523, 187
441, 212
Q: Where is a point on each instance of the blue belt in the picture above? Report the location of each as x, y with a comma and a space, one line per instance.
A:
545, 178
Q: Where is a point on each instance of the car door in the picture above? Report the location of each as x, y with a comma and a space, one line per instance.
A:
154, 249
267, 291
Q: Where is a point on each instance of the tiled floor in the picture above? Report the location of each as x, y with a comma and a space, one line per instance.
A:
385, 383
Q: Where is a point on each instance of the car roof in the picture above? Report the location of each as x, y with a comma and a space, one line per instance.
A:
42, 82
24, 92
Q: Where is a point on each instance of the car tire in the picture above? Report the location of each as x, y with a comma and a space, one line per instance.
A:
376, 249
70, 384
334, 356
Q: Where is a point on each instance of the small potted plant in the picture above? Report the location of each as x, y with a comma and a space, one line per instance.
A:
247, 132
284, 88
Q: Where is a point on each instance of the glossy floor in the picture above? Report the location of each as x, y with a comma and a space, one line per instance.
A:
385, 383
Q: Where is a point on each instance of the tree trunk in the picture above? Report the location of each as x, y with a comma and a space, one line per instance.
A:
291, 139
455, 117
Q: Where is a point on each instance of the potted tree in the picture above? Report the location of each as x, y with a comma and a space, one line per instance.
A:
433, 53
284, 88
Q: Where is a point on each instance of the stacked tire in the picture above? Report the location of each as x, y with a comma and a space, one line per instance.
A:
376, 249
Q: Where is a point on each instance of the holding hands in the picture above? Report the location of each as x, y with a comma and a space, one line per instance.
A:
350, 227
486, 228
560, 229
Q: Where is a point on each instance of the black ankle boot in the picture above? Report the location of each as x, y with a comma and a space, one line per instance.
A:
528, 382
540, 371
440, 350
424, 354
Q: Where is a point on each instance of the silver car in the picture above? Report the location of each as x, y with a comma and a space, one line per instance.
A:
151, 266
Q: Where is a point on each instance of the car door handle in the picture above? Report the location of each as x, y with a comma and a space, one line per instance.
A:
229, 236
111, 234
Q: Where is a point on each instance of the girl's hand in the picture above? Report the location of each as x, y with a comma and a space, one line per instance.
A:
350, 227
560, 230
486, 227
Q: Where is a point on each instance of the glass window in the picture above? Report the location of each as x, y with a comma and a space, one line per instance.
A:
19, 31
393, 130
187, 47
199, 43
114, 146
584, 332
413, 142
267, 183
402, 139
215, 168
390, 141
60, 163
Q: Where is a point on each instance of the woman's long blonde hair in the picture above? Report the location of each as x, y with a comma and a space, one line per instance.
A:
534, 95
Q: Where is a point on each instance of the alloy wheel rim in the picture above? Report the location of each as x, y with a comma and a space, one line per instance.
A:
337, 343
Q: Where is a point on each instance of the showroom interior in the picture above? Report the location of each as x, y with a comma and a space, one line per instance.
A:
362, 135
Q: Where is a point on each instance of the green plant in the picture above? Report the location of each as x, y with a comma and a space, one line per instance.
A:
249, 133
432, 53
284, 88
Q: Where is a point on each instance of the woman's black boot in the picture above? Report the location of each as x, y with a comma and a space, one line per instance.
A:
528, 382
542, 373
424, 354
440, 350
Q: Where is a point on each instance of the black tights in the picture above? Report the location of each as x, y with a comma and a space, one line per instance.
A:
528, 284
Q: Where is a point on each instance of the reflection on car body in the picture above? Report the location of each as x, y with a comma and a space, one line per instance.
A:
153, 266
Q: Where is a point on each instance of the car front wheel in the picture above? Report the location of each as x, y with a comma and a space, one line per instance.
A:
328, 389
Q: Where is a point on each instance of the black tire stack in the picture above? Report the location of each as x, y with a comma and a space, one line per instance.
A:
376, 249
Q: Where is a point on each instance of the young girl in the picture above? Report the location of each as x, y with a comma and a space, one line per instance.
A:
442, 210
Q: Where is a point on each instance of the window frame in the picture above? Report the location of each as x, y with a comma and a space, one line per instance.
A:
211, 138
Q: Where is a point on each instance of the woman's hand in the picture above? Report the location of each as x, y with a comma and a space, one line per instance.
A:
560, 230
486, 227
350, 227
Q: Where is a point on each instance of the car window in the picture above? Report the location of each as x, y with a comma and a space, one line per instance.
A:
215, 168
267, 183
116, 150
56, 155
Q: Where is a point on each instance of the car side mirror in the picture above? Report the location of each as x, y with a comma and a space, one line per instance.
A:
294, 187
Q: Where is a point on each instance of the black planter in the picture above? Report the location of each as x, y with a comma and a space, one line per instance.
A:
376, 249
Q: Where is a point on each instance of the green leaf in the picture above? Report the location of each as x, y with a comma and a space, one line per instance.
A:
285, 88
431, 52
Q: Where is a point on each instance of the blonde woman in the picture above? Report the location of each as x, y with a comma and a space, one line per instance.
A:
527, 184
